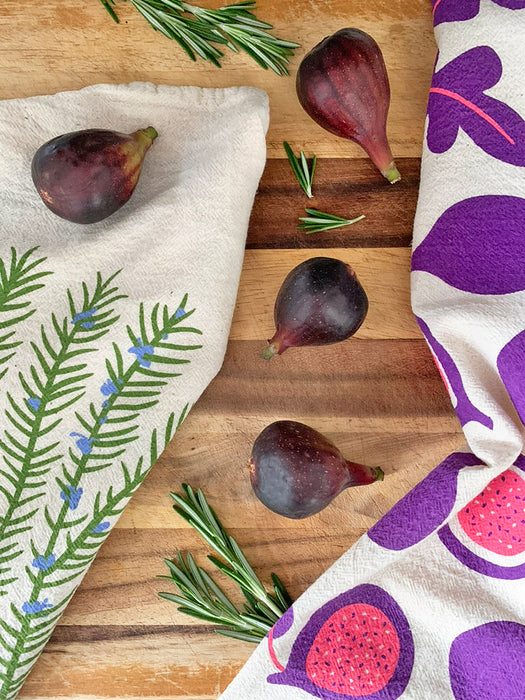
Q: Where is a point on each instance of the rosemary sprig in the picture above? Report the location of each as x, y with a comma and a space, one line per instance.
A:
202, 598
303, 173
197, 30
321, 221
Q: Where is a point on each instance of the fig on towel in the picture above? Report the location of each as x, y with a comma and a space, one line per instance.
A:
85, 176
342, 83
320, 302
296, 472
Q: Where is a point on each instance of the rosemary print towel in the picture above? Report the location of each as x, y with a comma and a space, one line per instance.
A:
430, 604
108, 333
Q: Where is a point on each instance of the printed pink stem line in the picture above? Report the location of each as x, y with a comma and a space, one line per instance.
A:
476, 109
435, 7
278, 665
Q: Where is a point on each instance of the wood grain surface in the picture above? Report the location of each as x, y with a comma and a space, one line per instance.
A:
378, 396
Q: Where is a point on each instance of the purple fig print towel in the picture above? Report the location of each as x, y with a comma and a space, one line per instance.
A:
430, 603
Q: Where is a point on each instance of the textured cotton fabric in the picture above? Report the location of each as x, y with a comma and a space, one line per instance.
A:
430, 603
109, 333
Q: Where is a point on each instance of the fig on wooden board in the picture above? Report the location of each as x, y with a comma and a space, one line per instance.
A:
320, 302
296, 471
342, 84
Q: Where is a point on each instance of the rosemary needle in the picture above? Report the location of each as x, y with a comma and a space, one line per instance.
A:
199, 595
198, 30
321, 221
303, 173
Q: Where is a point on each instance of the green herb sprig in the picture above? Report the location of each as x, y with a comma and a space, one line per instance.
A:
301, 170
198, 30
317, 221
202, 598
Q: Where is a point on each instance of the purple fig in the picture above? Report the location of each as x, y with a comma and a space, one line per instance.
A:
296, 472
343, 85
320, 302
85, 176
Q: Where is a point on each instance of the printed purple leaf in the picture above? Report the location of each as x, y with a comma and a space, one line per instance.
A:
358, 645
403, 525
486, 662
511, 362
477, 246
511, 4
465, 409
457, 100
454, 11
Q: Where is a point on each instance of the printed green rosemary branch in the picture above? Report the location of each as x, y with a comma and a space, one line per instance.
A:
18, 279
202, 598
197, 30
317, 221
303, 173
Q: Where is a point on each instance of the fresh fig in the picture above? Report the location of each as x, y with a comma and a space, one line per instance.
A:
343, 85
296, 472
85, 176
320, 302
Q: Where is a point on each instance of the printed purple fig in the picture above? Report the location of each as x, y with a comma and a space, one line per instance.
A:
343, 85
296, 472
320, 302
85, 176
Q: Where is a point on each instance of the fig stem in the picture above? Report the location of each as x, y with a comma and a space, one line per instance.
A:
152, 133
391, 173
270, 351
379, 473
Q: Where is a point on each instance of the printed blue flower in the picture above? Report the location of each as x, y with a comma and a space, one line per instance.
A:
33, 403
180, 312
101, 527
82, 315
140, 350
83, 443
44, 563
102, 419
35, 607
109, 387
72, 497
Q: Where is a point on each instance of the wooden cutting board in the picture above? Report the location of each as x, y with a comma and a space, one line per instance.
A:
378, 396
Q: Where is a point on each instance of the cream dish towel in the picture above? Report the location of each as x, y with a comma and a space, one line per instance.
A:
430, 603
109, 332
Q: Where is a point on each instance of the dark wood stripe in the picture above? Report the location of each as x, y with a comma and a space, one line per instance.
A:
359, 377
346, 187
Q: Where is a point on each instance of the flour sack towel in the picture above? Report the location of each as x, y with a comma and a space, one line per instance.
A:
110, 332
430, 604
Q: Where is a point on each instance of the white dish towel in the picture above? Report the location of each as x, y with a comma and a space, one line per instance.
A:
430, 603
109, 333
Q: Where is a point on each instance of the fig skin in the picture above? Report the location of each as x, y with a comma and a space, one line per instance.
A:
342, 84
85, 176
320, 302
296, 471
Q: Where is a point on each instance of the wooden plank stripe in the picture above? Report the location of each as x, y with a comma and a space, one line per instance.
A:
347, 187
